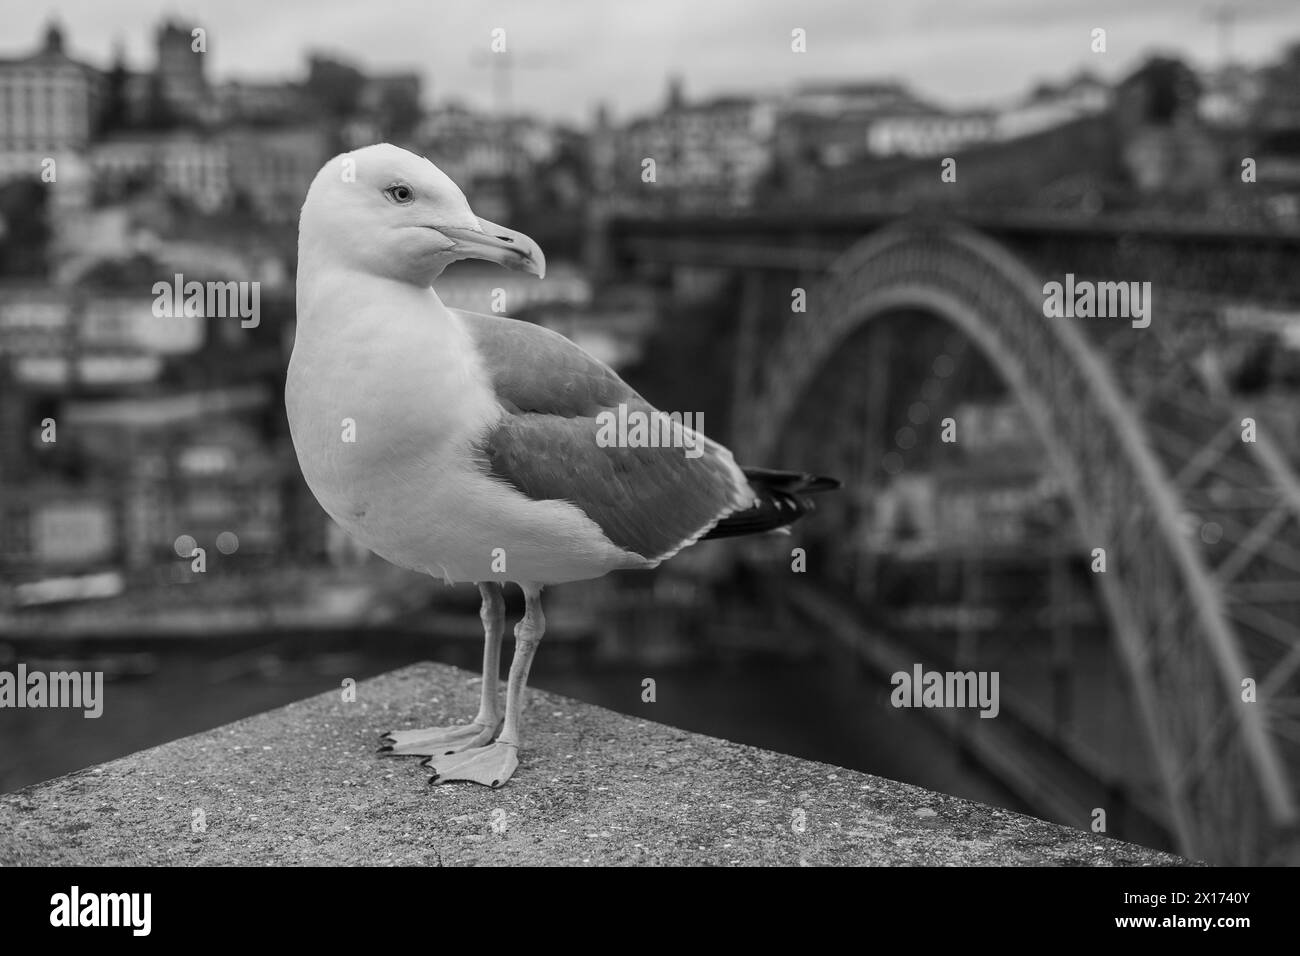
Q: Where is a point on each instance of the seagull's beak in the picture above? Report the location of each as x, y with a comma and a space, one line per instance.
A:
497, 244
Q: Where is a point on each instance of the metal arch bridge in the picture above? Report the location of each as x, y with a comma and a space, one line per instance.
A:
1141, 433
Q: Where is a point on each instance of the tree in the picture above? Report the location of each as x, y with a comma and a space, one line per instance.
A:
113, 114
1168, 88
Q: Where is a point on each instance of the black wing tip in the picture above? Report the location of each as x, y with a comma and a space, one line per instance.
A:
782, 500
818, 483
794, 482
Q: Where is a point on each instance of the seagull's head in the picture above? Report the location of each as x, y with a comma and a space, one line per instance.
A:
397, 214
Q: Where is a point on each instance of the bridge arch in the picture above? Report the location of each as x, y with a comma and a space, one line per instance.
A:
1225, 784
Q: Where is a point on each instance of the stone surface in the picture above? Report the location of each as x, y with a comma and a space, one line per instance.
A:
303, 785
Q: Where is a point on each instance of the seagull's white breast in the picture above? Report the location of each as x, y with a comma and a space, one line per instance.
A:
387, 403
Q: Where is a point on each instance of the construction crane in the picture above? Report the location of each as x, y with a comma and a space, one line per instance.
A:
503, 66
1225, 15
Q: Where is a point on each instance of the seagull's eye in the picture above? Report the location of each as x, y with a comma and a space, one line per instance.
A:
400, 193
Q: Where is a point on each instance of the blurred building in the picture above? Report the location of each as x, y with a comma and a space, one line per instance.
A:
1231, 96
482, 287
262, 103
1050, 106
995, 494
929, 134
827, 124
1166, 146
263, 170
269, 170
707, 154
396, 95
469, 147
49, 104
1278, 104
180, 78
118, 442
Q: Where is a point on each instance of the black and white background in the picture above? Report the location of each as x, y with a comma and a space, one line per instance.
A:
829, 229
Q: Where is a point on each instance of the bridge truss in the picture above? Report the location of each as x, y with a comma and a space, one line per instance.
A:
1201, 528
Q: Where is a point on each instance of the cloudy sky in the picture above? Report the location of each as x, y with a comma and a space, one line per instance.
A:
572, 53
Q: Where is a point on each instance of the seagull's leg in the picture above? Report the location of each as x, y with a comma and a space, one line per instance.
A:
528, 634
492, 765
447, 740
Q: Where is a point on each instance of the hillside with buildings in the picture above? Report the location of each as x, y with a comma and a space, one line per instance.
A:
116, 176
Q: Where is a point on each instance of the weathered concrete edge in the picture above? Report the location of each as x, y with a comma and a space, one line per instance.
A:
302, 785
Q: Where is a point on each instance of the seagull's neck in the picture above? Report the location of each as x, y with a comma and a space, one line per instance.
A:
354, 326
373, 346
334, 297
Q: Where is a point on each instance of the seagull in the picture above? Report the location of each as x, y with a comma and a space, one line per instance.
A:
465, 446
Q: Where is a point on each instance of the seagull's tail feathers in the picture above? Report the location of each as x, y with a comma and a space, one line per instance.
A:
782, 499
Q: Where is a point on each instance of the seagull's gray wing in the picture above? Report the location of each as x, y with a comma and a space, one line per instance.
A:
648, 501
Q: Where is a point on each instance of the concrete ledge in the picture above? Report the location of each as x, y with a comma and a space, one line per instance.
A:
303, 785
